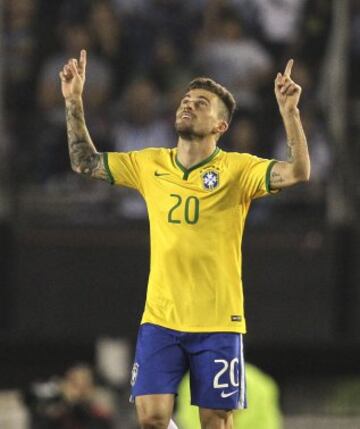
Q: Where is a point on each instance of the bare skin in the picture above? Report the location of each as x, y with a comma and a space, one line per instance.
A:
198, 114
200, 122
216, 419
297, 167
202, 107
84, 157
154, 411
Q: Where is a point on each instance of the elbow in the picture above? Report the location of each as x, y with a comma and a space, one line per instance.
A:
75, 168
83, 169
303, 176
307, 174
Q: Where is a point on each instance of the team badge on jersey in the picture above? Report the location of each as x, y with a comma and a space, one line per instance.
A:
210, 179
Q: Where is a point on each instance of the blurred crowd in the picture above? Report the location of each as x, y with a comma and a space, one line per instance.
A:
141, 55
74, 401
82, 399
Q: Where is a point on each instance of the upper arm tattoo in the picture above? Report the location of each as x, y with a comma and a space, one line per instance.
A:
276, 177
83, 155
279, 176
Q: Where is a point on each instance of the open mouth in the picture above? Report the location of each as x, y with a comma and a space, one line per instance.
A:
186, 115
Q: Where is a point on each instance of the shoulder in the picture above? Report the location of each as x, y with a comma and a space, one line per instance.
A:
156, 151
239, 158
141, 155
153, 153
245, 164
149, 152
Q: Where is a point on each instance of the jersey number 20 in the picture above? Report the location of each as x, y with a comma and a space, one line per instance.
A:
189, 211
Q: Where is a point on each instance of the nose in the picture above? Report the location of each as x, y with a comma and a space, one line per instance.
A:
189, 104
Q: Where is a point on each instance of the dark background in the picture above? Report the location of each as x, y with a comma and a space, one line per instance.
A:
74, 254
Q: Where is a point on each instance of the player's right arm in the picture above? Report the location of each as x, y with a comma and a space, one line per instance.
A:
84, 157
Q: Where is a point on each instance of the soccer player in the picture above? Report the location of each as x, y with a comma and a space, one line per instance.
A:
197, 198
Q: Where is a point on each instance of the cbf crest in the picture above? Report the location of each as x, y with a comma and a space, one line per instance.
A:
210, 179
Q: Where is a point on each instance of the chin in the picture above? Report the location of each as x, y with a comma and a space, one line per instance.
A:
186, 131
183, 129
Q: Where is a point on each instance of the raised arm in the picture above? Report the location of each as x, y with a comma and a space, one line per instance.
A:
84, 157
297, 167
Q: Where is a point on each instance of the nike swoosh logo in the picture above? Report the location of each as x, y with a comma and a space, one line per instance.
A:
161, 174
226, 395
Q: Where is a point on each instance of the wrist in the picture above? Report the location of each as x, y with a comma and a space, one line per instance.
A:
73, 97
288, 113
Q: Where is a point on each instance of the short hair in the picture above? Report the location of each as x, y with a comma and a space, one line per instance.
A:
225, 95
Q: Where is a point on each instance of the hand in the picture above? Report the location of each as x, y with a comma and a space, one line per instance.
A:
287, 92
72, 76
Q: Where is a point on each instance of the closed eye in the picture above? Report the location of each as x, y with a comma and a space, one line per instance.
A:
201, 101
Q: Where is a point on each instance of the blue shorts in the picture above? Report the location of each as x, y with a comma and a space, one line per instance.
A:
215, 361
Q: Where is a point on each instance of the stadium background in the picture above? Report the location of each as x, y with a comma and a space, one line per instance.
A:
74, 253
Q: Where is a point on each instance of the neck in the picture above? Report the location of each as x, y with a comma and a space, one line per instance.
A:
191, 152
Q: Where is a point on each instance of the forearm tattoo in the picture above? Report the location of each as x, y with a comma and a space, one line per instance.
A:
83, 155
290, 154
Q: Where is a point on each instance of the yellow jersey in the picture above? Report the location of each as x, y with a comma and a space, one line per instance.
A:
196, 218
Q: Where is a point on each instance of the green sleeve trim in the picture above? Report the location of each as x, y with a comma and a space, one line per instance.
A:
107, 168
267, 176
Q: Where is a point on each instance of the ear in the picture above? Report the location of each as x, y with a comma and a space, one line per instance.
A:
222, 127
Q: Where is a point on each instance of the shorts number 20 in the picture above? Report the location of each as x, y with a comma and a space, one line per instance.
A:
233, 373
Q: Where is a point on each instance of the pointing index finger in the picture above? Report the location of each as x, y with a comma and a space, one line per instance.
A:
82, 60
289, 67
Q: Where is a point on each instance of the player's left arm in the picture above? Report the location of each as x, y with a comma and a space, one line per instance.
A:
297, 167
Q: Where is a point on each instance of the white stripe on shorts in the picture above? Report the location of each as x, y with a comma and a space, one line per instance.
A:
242, 400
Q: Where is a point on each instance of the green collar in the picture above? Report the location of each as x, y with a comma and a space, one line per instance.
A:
187, 171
